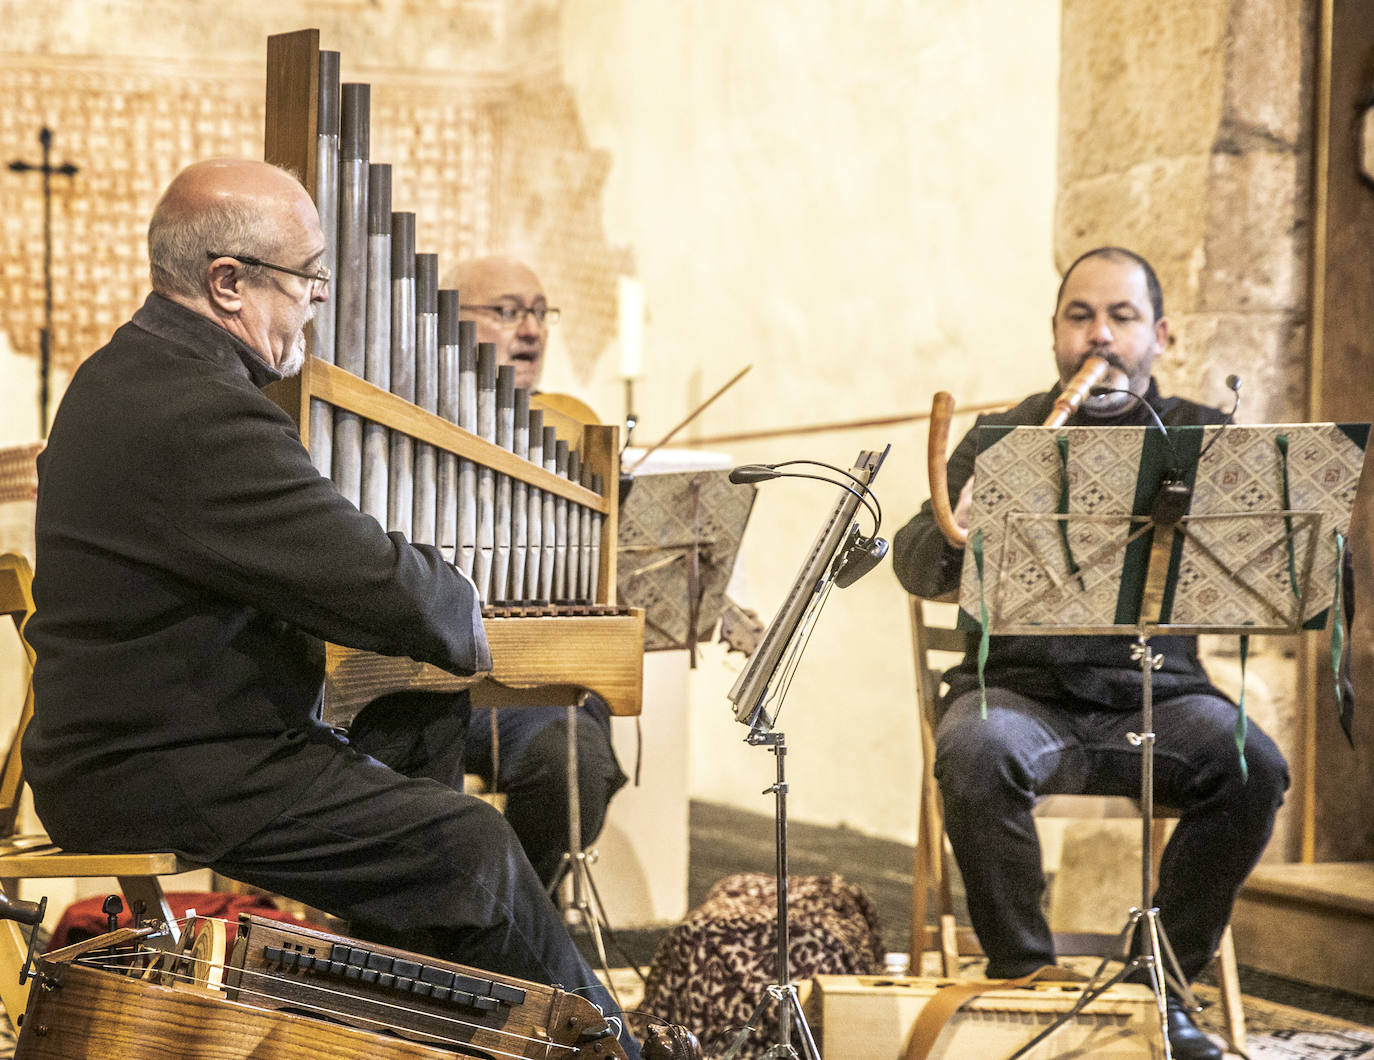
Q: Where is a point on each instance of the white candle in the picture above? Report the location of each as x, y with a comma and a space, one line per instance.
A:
631, 327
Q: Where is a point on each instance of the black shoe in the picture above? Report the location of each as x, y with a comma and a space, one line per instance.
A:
1186, 1042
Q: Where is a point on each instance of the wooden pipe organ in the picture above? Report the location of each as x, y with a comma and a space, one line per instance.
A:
418, 426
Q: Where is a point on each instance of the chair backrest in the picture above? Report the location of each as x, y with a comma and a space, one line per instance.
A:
16, 600
928, 637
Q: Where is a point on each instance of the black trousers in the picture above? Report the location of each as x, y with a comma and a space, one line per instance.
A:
413, 863
531, 748
991, 770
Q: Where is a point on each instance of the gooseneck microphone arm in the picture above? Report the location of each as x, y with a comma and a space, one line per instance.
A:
852, 478
1099, 391
1233, 383
748, 473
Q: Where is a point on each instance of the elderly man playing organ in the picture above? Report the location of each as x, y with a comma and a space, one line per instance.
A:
190, 560
1059, 707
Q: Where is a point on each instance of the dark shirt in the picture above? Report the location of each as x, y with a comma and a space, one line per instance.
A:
1085, 671
190, 560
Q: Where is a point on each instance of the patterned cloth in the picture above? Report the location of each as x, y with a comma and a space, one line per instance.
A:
19, 472
84, 919
711, 971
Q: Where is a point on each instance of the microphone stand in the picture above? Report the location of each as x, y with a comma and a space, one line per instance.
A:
765, 681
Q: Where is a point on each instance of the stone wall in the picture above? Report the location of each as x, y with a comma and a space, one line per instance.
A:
1185, 134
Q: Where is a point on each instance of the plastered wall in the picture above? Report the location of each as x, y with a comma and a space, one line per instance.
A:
857, 201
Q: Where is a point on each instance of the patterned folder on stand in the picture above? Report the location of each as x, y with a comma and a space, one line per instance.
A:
1065, 518
679, 534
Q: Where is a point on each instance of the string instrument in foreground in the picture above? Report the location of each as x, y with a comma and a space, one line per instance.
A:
290, 993
1090, 374
416, 423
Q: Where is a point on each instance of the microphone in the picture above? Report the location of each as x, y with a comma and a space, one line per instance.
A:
747, 473
858, 555
750, 473
1232, 384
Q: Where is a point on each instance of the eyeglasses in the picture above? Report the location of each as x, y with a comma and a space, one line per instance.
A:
319, 277
513, 314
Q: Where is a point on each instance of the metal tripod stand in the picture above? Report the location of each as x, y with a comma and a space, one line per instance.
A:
783, 992
1143, 931
584, 905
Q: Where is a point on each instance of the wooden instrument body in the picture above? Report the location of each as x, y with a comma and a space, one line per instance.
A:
553, 655
281, 1003
93, 1014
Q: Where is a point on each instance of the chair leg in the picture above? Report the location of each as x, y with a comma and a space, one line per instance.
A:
14, 949
932, 864
949, 946
920, 882
1228, 977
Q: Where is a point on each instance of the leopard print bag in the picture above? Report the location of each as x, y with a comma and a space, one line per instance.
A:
710, 972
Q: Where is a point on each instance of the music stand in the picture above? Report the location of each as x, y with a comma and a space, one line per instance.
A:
678, 537
758, 694
1111, 530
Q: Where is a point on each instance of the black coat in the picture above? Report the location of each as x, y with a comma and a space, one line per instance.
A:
1093, 671
189, 561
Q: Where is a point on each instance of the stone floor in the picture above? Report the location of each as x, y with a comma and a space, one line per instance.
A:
725, 841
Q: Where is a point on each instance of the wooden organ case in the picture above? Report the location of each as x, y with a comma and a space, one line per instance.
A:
423, 431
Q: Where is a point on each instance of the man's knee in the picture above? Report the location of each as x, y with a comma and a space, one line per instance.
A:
1267, 777
478, 825
976, 759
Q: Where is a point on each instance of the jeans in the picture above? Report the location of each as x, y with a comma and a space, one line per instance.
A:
992, 770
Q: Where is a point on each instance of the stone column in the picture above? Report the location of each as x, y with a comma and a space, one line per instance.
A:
1185, 132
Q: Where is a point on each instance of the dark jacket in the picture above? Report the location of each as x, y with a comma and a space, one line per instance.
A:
1092, 671
188, 558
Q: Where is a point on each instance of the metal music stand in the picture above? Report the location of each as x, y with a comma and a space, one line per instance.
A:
758, 695
678, 537
1113, 530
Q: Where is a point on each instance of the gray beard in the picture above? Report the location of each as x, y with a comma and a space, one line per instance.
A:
293, 363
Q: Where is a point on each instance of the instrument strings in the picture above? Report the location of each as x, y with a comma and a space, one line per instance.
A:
340, 1011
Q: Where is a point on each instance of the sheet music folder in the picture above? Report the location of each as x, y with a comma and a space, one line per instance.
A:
1065, 516
679, 535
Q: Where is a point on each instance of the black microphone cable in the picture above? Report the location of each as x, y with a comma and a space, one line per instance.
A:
747, 473
858, 554
1099, 391
1233, 383
1171, 502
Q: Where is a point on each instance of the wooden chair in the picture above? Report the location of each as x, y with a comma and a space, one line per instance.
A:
934, 858
35, 856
